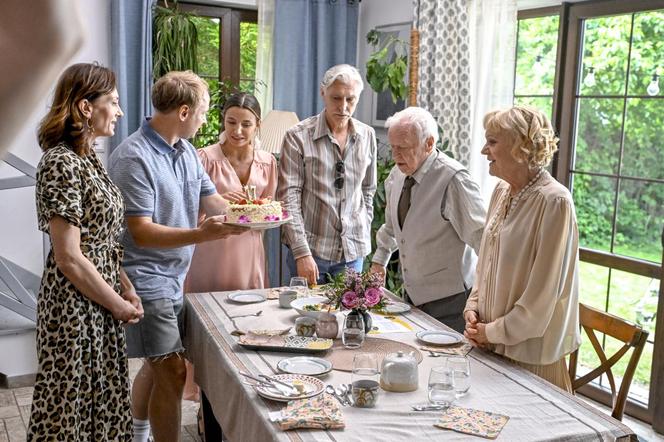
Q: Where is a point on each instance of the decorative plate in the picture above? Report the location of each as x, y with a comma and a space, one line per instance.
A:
247, 297
311, 387
263, 225
291, 343
307, 365
317, 305
439, 337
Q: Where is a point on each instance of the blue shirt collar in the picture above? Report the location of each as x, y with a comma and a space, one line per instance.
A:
157, 142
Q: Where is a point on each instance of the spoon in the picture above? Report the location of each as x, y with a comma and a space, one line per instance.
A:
342, 392
434, 355
329, 389
258, 313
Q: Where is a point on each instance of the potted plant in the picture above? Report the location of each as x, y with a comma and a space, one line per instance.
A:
387, 66
174, 42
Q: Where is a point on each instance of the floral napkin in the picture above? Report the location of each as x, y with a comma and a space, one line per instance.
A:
318, 412
461, 349
469, 421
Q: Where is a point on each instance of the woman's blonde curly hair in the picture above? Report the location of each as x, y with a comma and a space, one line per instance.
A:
531, 131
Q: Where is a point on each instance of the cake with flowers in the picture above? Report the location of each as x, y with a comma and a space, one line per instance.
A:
257, 210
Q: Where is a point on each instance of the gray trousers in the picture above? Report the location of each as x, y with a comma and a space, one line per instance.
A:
448, 310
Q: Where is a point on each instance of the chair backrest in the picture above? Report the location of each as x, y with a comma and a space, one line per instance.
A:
630, 334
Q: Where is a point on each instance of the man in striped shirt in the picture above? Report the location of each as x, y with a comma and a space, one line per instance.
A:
327, 180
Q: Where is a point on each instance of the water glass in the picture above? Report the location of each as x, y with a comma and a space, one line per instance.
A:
441, 386
460, 368
353, 334
300, 285
364, 378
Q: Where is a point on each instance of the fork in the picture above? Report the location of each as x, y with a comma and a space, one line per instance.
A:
258, 313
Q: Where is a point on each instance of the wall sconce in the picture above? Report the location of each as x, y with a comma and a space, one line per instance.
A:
653, 87
590, 81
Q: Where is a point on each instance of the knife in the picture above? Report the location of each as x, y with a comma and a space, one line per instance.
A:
291, 388
271, 382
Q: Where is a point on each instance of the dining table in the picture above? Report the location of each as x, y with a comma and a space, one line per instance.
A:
537, 410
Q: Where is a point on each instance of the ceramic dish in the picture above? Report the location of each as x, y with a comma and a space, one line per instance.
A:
308, 365
439, 337
316, 306
396, 308
264, 225
311, 387
290, 344
247, 297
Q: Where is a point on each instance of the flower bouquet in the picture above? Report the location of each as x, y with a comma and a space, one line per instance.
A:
356, 291
353, 290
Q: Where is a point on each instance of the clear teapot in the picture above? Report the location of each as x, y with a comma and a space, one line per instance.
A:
398, 372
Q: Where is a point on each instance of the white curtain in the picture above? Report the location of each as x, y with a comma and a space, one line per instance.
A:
264, 52
493, 25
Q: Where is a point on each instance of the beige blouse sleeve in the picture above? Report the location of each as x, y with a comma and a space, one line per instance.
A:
554, 246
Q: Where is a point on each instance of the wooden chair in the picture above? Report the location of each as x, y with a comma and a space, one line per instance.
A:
630, 334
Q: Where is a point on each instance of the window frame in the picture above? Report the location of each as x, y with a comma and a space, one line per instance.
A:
229, 47
568, 61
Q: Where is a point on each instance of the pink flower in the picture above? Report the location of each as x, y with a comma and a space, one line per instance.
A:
243, 219
350, 300
372, 296
272, 218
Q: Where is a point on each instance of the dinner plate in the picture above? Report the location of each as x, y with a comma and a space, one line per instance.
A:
438, 337
308, 365
262, 225
312, 387
247, 297
300, 303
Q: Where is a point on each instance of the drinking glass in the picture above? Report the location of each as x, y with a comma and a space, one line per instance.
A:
352, 334
364, 380
441, 386
460, 368
300, 285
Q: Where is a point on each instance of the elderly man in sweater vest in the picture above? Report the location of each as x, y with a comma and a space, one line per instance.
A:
434, 216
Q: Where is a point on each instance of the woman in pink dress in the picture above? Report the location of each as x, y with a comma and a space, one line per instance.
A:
236, 263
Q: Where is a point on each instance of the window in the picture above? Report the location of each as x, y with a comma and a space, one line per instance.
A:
227, 41
537, 45
596, 72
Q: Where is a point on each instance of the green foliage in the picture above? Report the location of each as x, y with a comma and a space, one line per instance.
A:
387, 66
175, 41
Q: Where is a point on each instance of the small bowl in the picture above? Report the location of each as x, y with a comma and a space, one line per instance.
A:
305, 326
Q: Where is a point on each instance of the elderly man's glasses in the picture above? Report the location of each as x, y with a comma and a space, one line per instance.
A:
339, 169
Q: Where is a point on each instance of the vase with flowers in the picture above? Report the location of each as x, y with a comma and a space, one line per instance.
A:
358, 292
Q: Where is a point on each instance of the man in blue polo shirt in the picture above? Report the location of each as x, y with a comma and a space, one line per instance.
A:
164, 184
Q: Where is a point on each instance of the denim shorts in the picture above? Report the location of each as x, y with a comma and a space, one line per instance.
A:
160, 331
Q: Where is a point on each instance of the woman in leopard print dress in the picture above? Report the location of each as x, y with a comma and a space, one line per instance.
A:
82, 387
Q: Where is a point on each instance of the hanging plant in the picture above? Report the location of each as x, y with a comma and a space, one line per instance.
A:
387, 66
175, 41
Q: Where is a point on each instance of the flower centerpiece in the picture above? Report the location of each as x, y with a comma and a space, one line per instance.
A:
358, 292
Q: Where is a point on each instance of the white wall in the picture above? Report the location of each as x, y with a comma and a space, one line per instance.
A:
376, 13
20, 241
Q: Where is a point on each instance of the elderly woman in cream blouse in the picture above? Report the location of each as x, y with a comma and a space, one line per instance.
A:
524, 304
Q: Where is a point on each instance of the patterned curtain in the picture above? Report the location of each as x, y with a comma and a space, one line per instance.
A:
444, 85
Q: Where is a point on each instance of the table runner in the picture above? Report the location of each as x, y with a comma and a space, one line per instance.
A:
537, 410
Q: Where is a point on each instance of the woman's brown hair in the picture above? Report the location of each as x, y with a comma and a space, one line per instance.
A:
64, 122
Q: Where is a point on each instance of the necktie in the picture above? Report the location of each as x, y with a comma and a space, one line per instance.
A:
404, 199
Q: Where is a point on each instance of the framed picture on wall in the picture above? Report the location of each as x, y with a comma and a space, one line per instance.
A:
382, 106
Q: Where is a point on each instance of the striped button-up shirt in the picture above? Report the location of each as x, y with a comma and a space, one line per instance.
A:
330, 223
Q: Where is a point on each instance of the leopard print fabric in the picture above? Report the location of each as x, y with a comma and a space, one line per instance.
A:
82, 387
